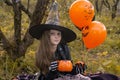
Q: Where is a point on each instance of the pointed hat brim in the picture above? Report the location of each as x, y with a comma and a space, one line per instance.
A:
37, 31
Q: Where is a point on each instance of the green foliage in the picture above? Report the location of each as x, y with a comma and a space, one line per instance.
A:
10, 68
105, 57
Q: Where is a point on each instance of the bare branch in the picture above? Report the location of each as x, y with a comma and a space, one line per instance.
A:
37, 17
107, 4
25, 10
114, 8
17, 22
28, 4
8, 2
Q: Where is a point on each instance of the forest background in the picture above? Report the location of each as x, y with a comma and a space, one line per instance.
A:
17, 48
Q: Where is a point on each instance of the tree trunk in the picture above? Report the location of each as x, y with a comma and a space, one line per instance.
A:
114, 8
19, 47
96, 5
106, 3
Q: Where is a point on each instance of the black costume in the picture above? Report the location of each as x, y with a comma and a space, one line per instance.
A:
62, 53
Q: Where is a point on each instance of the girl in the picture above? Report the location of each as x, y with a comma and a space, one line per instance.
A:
53, 45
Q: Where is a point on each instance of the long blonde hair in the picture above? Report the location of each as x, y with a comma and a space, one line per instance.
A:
44, 55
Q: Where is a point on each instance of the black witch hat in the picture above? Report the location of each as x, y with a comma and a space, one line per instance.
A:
52, 22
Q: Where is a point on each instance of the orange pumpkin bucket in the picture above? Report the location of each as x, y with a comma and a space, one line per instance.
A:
65, 66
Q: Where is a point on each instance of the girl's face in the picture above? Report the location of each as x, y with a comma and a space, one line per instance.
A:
55, 37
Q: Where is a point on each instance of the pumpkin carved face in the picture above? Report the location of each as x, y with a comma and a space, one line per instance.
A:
81, 13
65, 66
85, 31
94, 34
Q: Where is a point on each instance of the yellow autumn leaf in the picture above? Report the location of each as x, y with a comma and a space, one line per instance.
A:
105, 53
107, 62
118, 68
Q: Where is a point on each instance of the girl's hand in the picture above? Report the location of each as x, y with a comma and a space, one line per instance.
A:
80, 67
53, 66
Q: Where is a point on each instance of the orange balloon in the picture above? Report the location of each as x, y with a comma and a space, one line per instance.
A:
65, 66
94, 34
81, 13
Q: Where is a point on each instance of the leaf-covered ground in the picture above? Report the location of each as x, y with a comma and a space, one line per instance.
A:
104, 58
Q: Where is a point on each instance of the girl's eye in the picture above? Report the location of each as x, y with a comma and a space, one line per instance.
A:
52, 33
58, 33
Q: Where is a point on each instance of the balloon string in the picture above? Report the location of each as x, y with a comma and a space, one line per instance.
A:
86, 55
84, 58
86, 51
